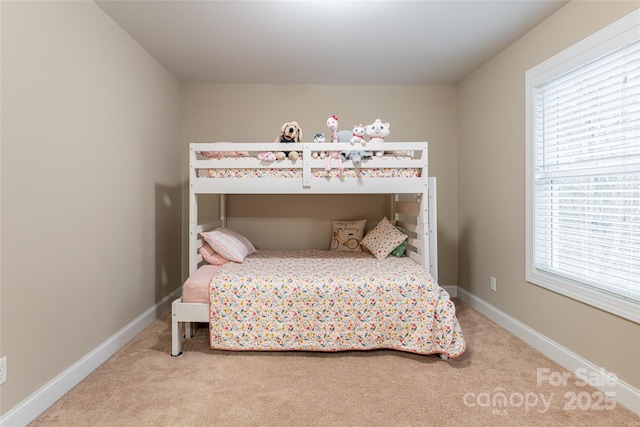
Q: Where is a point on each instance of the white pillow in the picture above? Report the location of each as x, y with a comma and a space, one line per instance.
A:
347, 235
383, 239
228, 243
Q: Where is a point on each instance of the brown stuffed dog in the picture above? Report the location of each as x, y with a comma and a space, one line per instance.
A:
289, 133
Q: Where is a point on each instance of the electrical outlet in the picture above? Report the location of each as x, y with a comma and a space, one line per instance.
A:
493, 284
3, 370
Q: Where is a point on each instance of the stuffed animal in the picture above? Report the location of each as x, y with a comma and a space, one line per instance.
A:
318, 138
332, 124
290, 133
344, 135
358, 134
333, 155
336, 135
377, 132
356, 155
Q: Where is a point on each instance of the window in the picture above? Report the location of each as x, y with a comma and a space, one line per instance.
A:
583, 170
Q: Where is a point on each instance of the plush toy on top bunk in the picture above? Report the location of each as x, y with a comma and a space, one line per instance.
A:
358, 134
337, 135
332, 124
318, 138
290, 133
377, 132
356, 155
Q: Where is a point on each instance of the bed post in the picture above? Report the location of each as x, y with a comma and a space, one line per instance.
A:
433, 228
193, 213
223, 209
429, 219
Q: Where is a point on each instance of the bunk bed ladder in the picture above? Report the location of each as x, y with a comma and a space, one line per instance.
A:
416, 215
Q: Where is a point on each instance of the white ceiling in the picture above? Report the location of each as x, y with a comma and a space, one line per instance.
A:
326, 42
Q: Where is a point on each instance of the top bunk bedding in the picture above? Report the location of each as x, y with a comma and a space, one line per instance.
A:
393, 167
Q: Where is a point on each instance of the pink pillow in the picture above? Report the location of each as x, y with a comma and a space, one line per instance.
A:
228, 243
211, 256
196, 287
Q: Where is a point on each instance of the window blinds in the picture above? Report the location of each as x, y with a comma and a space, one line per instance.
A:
586, 217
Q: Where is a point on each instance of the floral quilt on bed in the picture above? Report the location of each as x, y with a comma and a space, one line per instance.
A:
331, 301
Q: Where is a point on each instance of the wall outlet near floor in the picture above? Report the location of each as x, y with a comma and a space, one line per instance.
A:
493, 284
3, 370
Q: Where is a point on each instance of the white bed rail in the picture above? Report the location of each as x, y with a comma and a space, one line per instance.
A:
308, 184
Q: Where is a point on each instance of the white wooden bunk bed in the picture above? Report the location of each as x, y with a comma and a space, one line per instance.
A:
412, 197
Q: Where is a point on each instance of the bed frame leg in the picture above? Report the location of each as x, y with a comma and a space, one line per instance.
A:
189, 329
176, 337
444, 357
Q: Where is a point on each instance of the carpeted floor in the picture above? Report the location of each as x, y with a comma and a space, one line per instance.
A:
499, 381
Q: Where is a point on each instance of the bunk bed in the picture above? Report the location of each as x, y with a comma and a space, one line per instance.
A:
310, 299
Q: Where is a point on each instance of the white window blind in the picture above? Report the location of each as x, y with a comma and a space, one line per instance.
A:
585, 183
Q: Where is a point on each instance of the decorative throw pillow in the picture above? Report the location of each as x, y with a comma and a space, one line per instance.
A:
383, 239
347, 235
400, 249
228, 243
210, 256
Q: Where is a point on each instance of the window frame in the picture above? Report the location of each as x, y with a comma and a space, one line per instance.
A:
614, 36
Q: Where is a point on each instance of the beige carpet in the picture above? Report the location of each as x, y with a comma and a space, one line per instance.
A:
142, 385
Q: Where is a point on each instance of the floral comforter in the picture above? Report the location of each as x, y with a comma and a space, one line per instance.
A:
331, 301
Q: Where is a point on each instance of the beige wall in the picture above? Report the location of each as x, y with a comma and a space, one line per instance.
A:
90, 229
90, 187
251, 113
491, 196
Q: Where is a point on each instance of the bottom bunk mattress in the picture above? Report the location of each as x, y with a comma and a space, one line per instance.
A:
317, 300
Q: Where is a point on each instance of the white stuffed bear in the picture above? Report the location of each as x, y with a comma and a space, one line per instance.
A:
377, 132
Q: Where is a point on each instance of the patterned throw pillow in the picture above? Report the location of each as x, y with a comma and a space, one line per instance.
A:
228, 243
347, 235
383, 239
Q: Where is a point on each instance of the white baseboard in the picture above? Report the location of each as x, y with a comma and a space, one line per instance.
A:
452, 290
625, 394
30, 408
